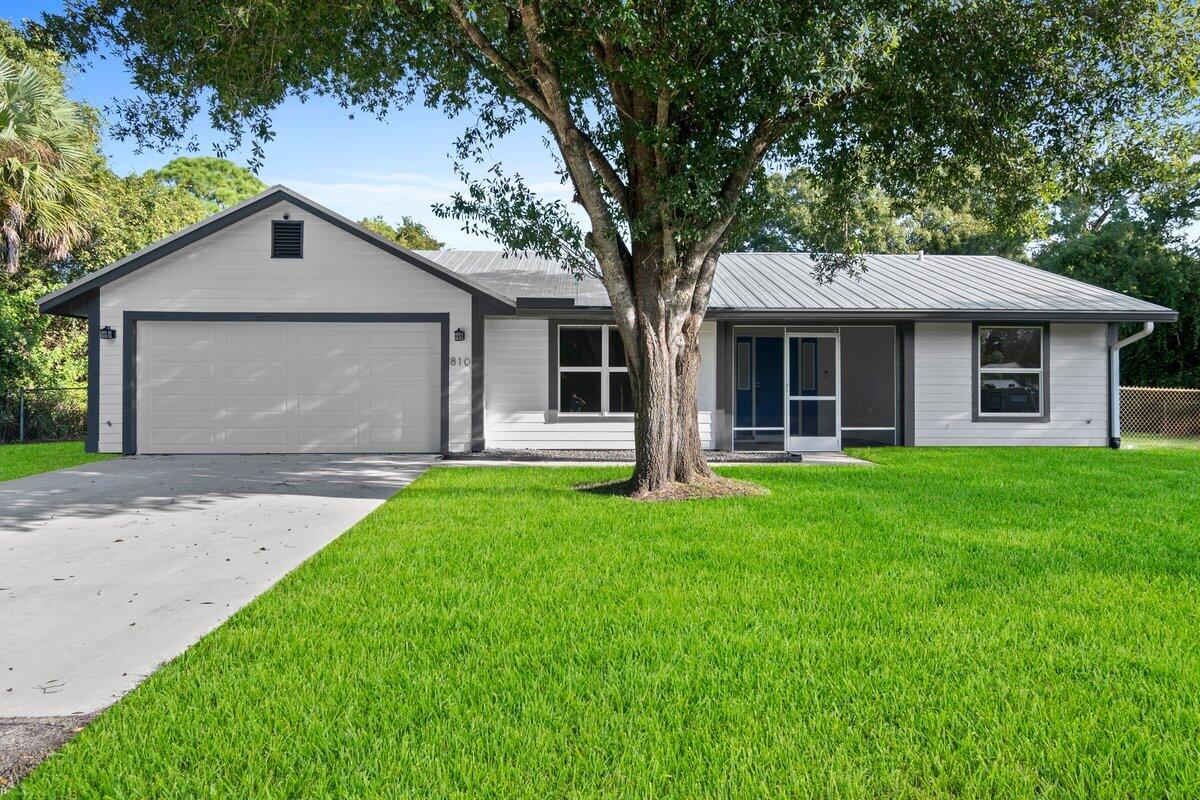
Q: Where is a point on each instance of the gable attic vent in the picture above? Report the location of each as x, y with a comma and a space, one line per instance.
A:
287, 239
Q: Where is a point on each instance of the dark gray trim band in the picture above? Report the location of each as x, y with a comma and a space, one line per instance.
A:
908, 384
552, 396
1044, 388
219, 222
91, 440
129, 353
1112, 334
724, 372
850, 316
478, 349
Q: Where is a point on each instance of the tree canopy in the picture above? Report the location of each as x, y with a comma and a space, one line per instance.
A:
216, 181
407, 233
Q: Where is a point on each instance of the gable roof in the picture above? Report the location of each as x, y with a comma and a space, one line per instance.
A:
893, 286
65, 300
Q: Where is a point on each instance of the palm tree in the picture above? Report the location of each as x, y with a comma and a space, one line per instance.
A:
46, 156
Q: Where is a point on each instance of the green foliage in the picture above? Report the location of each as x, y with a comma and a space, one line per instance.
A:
409, 233
1131, 257
37, 349
138, 211
217, 181
48, 197
795, 213
18, 49
960, 623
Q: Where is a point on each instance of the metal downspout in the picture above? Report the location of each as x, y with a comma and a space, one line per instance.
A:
1114, 382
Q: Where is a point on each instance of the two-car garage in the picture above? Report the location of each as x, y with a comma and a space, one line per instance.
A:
347, 384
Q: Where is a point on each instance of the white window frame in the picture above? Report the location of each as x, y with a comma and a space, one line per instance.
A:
604, 369
1040, 371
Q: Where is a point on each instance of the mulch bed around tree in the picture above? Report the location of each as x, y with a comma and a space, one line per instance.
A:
707, 489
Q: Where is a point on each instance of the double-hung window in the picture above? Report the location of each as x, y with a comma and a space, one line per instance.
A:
593, 377
1010, 378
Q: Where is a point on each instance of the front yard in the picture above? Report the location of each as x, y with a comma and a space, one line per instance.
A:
19, 460
972, 623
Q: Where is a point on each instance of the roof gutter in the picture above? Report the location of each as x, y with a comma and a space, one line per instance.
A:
1114, 382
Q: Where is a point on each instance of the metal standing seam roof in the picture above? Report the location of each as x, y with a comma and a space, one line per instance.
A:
785, 282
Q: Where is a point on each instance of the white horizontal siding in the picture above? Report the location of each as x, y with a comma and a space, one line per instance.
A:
944, 383
517, 393
232, 270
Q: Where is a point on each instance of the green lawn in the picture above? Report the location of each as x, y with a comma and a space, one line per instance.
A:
971, 623
19, 460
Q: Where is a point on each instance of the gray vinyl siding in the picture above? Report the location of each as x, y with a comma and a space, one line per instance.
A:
232, 271
945, 382
517, 401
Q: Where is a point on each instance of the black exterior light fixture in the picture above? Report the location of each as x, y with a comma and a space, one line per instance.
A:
460, 335
107, 333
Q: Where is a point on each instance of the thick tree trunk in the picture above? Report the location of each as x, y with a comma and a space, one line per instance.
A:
667, 433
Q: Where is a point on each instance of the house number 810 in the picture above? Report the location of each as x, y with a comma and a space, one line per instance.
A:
460, 361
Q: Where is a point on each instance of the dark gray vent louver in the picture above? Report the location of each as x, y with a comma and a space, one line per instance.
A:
287, 239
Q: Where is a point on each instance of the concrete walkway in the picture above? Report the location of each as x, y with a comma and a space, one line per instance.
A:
109, 569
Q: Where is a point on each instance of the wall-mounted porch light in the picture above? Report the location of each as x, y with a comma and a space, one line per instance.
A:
460, 335
107, 333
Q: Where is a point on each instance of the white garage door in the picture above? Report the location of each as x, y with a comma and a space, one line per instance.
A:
288, 387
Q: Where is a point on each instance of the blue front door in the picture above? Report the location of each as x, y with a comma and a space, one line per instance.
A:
768, 379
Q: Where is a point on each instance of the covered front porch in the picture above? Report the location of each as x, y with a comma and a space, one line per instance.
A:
804, 388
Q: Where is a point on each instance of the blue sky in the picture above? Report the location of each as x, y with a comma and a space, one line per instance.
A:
358, 167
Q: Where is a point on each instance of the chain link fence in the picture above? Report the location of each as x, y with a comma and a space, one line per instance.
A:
43, 414
1166, 413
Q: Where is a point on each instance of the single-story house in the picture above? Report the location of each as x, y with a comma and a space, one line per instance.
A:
280, 326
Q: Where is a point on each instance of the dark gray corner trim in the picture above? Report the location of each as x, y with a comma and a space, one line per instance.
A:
129, 353
91, 441
1112, 336
724, 372
251, 207
1045, 388
478, 350
546, 302
908, 384
552, 360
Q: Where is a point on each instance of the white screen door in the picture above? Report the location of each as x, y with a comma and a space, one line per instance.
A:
813, 410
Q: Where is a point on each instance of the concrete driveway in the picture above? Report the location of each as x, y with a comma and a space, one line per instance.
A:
109, 569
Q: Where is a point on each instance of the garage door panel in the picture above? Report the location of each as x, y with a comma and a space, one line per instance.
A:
333, 372
183, 403
288, 387
255, 404
328, 404
256, 370
256, 437
184, 335
257, 336
181, 435
176, 370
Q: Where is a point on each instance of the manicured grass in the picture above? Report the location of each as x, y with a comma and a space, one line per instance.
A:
971, 623
19, 460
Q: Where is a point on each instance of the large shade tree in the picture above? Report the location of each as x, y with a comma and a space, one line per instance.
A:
663, 114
